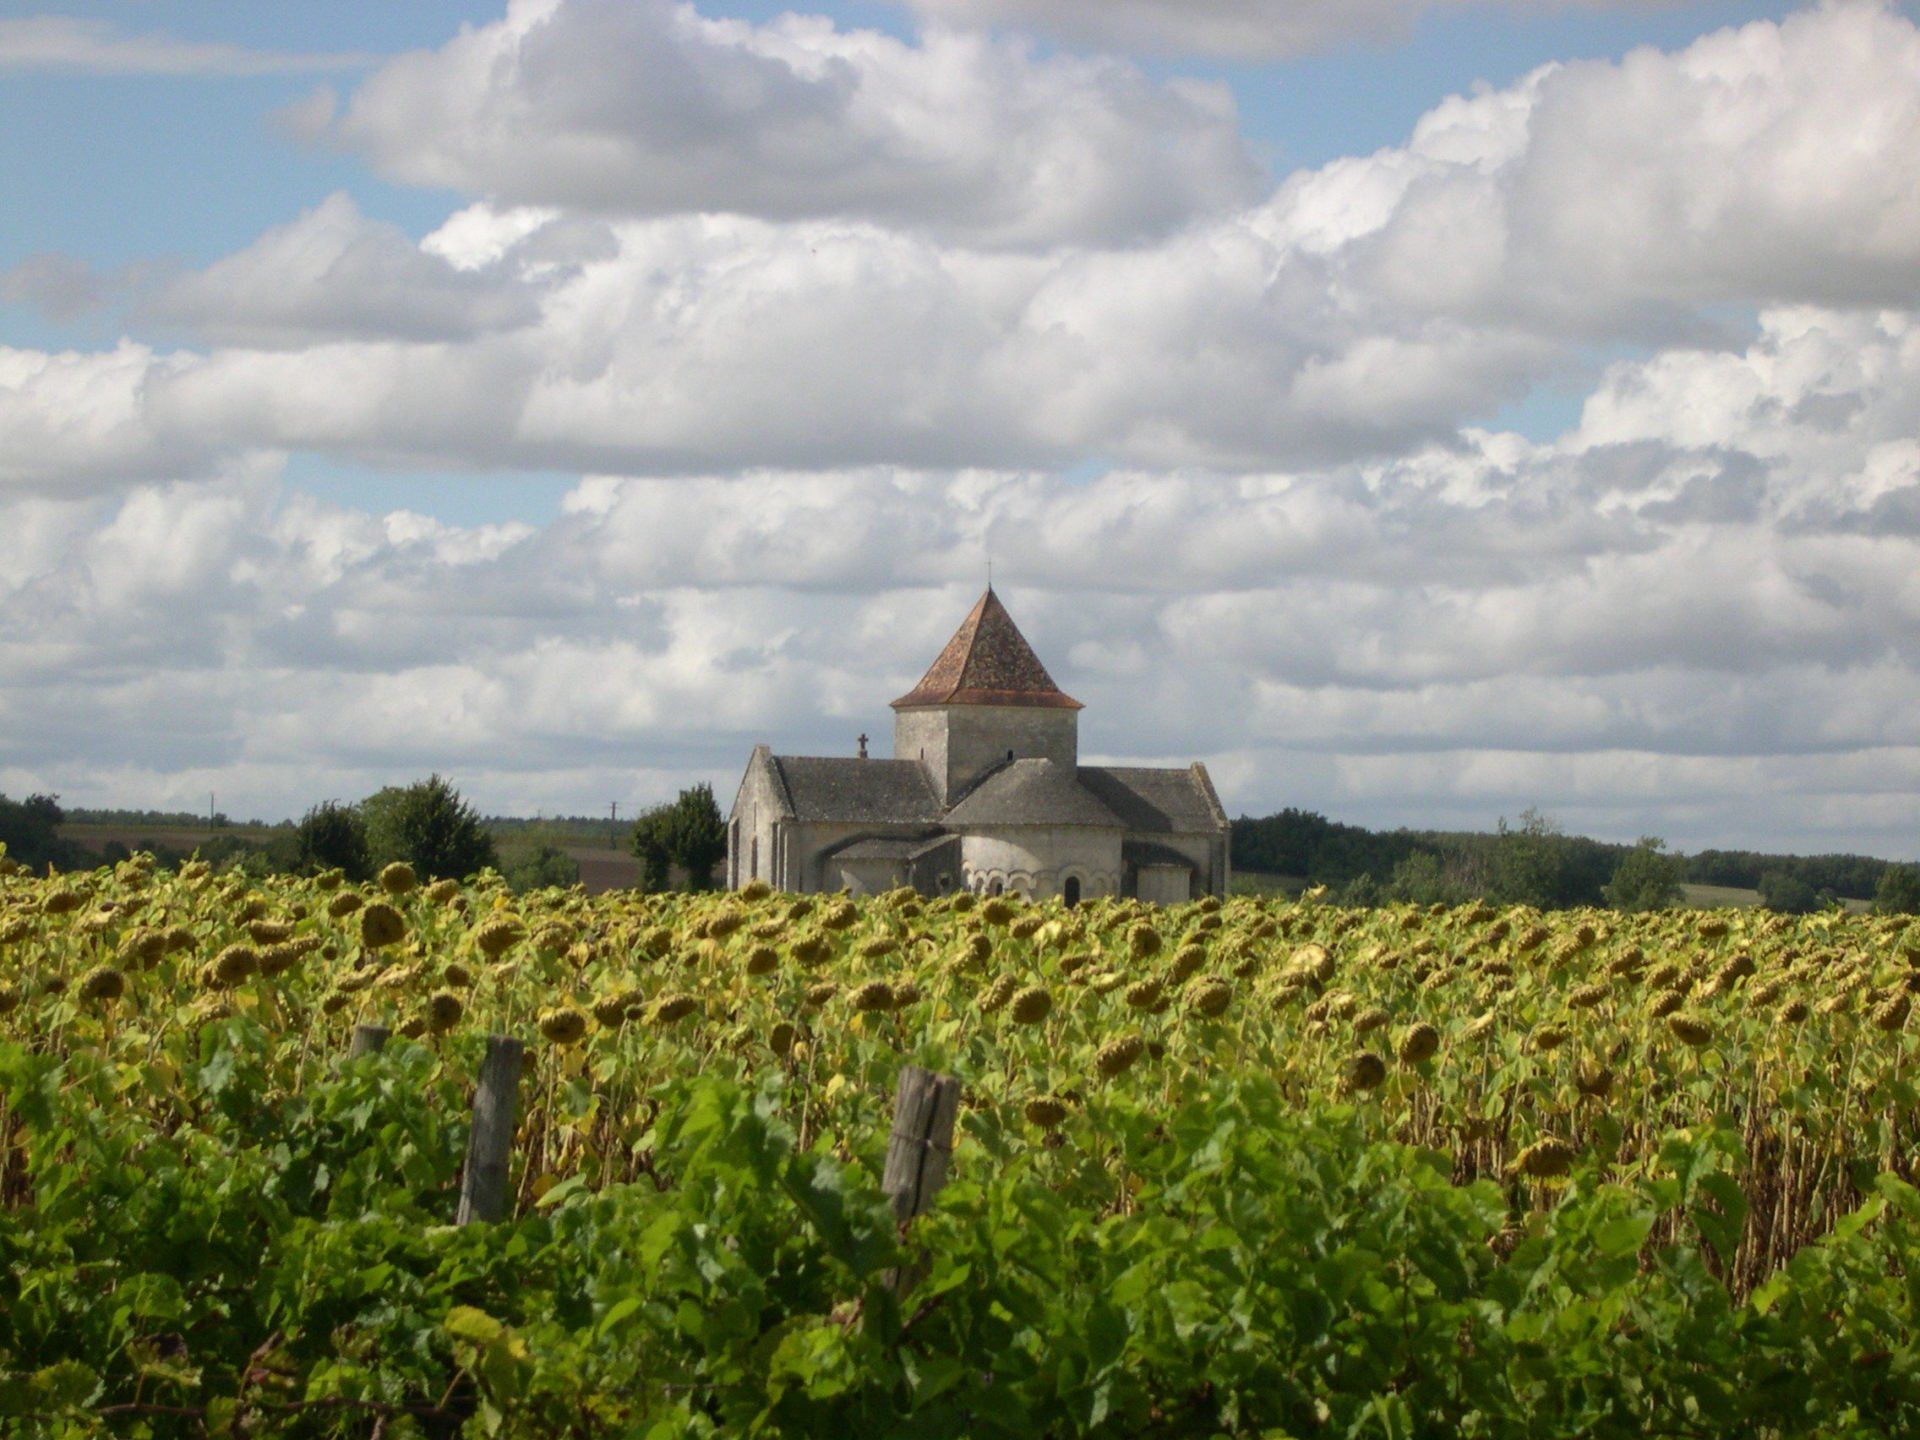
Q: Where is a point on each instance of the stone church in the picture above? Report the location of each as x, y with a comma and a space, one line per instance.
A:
985, 792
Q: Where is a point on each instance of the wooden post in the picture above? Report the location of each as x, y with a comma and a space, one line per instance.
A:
924, 1110
483, 1184
919, 1148
367, 1040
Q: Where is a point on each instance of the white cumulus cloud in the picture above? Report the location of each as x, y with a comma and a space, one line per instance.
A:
645, 107
1236, 29
335, 274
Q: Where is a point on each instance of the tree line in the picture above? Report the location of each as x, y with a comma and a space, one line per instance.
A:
1531, 861
427, 824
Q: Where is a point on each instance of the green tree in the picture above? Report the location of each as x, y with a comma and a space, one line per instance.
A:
430, 827
541, 866
1648, 878
30, 831
1898, 892
1425, 878
689, 834
1363, 892
1530, 862
650, 846
332, 836
1786, 892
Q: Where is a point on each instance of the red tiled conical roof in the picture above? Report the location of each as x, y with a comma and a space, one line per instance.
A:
987, 662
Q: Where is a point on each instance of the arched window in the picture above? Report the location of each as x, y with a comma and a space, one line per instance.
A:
995, 888
1070, 892
753, 869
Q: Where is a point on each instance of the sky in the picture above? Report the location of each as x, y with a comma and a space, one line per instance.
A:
1418, 410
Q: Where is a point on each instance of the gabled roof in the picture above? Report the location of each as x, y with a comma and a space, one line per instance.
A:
891, 847
987, 662
1032, 792
840, 790
1152, 801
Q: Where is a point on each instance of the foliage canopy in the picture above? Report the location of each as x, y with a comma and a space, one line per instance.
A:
688, 834
1648, 878
428, 825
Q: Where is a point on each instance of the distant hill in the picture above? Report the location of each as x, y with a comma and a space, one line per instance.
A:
89, 837
1321, 851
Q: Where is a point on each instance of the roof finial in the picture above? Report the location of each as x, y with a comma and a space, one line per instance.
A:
989, 573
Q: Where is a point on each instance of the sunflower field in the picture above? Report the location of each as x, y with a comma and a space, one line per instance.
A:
1258, 1168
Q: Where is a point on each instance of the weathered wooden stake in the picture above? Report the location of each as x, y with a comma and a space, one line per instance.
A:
367, 1040
919, 1147
483, 1184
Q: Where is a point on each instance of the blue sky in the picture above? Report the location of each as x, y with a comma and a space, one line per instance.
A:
590, 394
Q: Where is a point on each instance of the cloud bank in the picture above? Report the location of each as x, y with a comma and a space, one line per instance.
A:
1231, 29
644, 107
1232, 444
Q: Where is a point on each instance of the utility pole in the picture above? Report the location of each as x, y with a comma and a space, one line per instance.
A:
613, 822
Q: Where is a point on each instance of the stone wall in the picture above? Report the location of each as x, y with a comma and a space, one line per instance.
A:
960, 743
1035, 860
753, 838
1164, 884
934, 873
1208, 854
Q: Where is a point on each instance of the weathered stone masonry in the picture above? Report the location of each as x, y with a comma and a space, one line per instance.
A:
985, 792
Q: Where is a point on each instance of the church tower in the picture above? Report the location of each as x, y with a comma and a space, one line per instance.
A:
987, 699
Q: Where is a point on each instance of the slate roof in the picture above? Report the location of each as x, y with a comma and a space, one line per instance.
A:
833, 790
839, 790
987, 662
1153, 801
891, 847
1032, 792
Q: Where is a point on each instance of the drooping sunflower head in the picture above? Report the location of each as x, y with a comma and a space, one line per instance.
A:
498, 934
102, 985
1118, 1055
444, 1009
1209, 997
1364, 1071
1046, 1111
1419, 1044
1690, 1030
381, 926
1545, 1159
1030, 1006
233, 966
671, 1009
563, 1025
